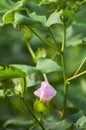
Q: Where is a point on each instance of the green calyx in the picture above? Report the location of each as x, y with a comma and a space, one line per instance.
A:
41, 108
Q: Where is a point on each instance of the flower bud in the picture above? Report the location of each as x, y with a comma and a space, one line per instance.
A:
19, 88
41, 108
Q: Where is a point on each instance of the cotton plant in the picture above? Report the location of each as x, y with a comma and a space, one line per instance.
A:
54, 30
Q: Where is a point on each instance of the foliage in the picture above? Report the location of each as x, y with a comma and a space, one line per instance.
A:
53, 32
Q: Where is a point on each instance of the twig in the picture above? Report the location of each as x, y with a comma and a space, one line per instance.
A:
28, 108
80, 66
75, 76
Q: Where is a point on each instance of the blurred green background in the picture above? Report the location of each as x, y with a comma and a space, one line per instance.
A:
14, 51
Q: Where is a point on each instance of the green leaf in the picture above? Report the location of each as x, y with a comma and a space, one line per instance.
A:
81, 121
46, 65
8, 87
76, 32
7, 11
33, 19
8, 5
61, 125
9, 17
76, 116
49, 1
21, 20
26, 68
32, 73
38, 18
54, 18
10, 72
17, 122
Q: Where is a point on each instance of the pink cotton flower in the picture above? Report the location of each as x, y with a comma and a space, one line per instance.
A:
46, 92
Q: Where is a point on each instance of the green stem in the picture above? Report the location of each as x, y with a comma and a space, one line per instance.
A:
45, 77
28, 45
53, 38
63, 65
64, 38
24, 90
33, 114
43, 41
65, 86
54, 55
75, 76
80, 66
30, 49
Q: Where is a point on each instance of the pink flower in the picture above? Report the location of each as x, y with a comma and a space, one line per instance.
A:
46, 92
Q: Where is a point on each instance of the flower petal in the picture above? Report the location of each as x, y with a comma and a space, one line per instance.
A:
46, 92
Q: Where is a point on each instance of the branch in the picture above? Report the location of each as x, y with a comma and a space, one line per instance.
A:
80, 66
75, 76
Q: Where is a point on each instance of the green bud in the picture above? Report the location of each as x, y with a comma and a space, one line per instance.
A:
27, 33
41, 107
9, 17
19, 87
41, 52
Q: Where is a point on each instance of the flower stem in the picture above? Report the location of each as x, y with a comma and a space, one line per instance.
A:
45, 77
30, 49
40, 124
28, 45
